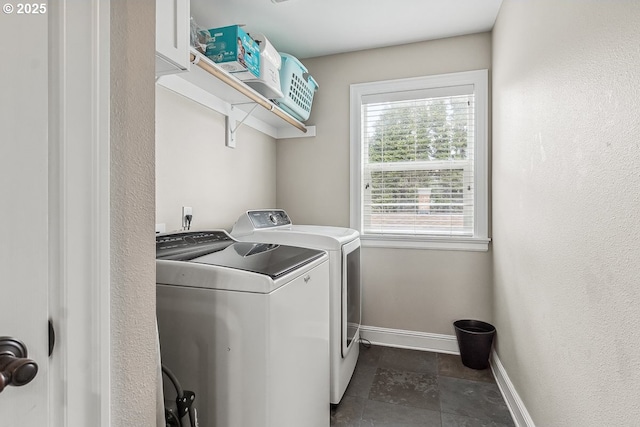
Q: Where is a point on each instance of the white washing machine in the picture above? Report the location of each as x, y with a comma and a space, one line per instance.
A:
245, 326
343, 246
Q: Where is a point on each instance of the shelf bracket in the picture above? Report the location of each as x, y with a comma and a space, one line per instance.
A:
231, 128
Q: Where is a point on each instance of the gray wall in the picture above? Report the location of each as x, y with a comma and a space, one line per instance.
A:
194, 168
133, 345
415, 290
566, 227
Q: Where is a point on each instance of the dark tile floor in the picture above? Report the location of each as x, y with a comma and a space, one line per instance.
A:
394, 387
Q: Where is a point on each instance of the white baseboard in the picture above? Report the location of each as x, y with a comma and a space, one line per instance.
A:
516, 406
410, 339
449, 344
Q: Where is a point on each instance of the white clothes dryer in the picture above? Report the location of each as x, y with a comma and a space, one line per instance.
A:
245, 326
343, 247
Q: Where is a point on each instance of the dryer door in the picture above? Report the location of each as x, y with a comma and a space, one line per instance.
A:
351, 295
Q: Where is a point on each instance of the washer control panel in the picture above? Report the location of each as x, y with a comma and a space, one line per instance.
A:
268, 218
188, 245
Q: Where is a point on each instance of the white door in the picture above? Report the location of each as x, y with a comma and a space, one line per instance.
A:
24, 203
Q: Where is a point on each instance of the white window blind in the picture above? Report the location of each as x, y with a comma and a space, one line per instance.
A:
417, 173
418, 166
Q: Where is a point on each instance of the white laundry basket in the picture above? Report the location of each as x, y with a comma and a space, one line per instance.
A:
298, 88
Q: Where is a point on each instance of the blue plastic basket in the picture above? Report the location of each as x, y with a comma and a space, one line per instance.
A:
298, 88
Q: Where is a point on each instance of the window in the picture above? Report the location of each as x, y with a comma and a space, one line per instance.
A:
419, 162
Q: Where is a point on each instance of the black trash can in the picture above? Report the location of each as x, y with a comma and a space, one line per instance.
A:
474, 339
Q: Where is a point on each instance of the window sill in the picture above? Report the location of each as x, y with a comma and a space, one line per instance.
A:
435, 243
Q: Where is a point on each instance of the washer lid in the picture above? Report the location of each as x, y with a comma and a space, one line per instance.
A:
219, 249
263, 258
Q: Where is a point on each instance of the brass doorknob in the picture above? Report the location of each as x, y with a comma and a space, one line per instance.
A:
15, 368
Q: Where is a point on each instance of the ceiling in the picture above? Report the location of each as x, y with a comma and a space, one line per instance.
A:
310, 28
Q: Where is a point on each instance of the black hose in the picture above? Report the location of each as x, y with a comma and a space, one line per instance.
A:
174, 381
179, 391
170, 415
180, 395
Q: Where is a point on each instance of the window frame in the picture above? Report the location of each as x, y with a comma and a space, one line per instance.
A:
479, 80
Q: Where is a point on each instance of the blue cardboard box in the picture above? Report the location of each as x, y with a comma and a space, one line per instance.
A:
235, 51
